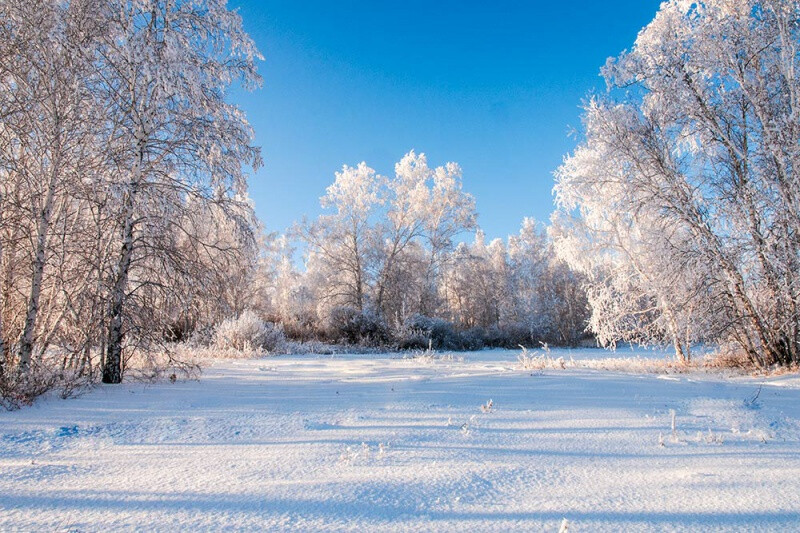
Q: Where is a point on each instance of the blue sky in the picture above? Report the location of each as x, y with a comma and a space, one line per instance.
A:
495, 86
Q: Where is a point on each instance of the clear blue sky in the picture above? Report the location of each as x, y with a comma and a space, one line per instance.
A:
493, 85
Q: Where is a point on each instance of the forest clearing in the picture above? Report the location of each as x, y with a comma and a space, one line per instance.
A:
387, 442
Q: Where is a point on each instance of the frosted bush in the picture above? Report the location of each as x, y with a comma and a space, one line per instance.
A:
202, 337
21, 389
535, 360
274, 338
434, 333
358, 327
310, 347
249, 333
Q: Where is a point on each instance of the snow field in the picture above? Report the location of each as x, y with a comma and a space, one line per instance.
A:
382, 443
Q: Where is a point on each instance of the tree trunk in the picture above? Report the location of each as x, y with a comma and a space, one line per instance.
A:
40, 258
112, 370
112, 366
359, 281
2, 305
10, 253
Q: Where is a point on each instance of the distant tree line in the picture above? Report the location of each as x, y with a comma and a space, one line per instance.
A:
383, 267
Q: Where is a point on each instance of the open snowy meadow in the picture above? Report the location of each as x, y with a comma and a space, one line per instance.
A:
197, 186
470, 441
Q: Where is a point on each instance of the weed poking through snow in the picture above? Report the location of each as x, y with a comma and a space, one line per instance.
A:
540, 361
468, 425
352, 455
674, 428
674, 438
430, 356
712, 438
753, 403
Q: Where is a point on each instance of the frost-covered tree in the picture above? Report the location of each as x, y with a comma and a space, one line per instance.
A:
519, 287
682, 203
340, 243
477, 283
123, 204
289, 292
427, 208
48, 123
385, 238
218, 275
547, 298
166, 67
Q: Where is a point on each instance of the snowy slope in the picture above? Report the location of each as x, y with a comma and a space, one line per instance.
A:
374, 443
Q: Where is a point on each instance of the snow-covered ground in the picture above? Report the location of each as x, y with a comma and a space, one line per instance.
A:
371, 443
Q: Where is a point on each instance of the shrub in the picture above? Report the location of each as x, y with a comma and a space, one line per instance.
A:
18, 389
429, 356
202, 337
437, 333
302, 326
275, 338
358, 327
497, 337
473, 339
248, 333
540, 361
180, 330
517, 334
408, 341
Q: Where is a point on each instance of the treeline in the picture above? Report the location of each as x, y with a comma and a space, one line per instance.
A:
123, 197
384, 267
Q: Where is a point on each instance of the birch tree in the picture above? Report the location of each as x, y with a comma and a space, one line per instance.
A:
427, 208
340, 242
382, 230
477, 283
685, 189
547, 298
167, 66
49, 116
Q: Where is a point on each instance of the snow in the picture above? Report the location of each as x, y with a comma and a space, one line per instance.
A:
379, 442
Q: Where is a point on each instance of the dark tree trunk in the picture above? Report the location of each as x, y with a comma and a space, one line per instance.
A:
112, 367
